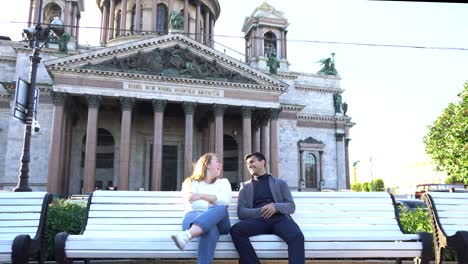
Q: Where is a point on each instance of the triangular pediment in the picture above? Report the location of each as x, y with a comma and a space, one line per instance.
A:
167, 57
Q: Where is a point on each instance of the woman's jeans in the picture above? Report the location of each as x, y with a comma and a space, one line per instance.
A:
213, 222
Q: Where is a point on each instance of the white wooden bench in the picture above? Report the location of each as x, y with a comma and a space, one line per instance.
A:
126, 224
22, 223
449, 219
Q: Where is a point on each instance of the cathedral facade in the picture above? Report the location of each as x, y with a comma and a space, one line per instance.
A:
138, 111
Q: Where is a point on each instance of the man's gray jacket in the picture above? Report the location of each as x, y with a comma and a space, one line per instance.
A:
282, 198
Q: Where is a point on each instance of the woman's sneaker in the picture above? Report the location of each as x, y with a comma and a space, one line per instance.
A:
181, 239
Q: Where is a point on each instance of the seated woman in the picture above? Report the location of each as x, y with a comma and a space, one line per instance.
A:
206, 215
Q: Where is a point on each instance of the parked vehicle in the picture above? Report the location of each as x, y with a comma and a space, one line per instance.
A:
437, 187
410, 204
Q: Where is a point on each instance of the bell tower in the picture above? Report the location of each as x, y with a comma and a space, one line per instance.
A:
265, 35
69, 11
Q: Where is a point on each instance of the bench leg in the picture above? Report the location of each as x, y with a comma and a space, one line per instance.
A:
20, 249
439, 251
60, 255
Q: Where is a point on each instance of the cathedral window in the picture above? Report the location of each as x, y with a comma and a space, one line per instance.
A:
310, 173
161, 19
51, 11
133, 27
269, 46
310, 151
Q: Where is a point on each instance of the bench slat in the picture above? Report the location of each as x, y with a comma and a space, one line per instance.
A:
21, 209
19, 223
166, 245
23, 216
21, 202
22, 195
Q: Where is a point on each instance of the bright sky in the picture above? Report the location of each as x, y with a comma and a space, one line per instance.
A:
393, 93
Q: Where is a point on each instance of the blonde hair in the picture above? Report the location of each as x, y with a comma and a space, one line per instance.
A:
199, 170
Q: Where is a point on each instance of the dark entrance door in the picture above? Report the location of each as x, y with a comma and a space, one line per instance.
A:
169, 168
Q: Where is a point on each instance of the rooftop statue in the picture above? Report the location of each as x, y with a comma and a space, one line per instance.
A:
273, 63
328, 66
177, 20
63, 42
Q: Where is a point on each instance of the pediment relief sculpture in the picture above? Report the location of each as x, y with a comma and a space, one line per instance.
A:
174, 62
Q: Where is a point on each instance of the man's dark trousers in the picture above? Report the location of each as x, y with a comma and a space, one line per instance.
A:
279, 225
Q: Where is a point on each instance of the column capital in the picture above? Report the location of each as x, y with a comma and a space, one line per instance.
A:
126, 103
58, 98
189, 107
247, 111
274, 113
219, 109
94, 100
159, 105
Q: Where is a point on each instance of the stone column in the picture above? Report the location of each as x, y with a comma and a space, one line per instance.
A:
212, 22
77, 33
253, 42
301, 184
75, 21
158, 107
246, 137
68, 136
63, 157
66, 16
348, 179
197, 22
321, 171
256, 137
283, 45
154, 14
219, 130
105, 13
125, 138
103, 25
111, 19
189, 109
211, 135
56, 136
138, 16
340, 166
265, 141
207, 28
123, 19
89, 177
186, 16
274, 141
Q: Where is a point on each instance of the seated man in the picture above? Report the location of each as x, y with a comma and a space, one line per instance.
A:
264, 207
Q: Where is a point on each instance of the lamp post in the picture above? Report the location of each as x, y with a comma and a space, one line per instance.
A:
34, 35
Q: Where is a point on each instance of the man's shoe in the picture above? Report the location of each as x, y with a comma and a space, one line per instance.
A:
181, 239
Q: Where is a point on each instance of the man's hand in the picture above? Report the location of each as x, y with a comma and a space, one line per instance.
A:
192, 197
268, 210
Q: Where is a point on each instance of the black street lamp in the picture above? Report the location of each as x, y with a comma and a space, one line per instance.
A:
34, 35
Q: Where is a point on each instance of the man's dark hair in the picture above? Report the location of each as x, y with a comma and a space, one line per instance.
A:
258, 155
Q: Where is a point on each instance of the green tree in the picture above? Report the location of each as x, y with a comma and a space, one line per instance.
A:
447, 139
357, 187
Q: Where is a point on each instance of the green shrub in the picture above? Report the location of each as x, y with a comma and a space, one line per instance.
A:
357, 187
379, 185
366, 187
63, 216
415, 221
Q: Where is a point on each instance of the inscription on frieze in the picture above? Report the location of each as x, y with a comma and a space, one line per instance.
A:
173, 90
